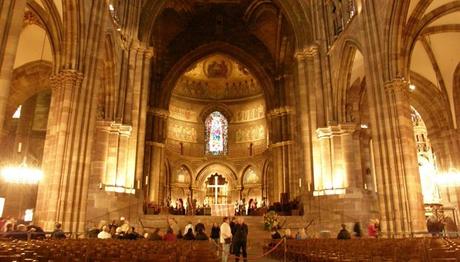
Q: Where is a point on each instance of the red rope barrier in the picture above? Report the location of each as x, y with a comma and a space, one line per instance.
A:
252, 258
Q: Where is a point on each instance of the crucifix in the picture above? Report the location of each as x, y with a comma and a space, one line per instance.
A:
216, 187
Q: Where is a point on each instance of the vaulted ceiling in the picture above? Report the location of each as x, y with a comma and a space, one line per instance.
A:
436, 53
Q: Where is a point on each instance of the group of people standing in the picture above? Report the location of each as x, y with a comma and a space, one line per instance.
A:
373, 230
233, 238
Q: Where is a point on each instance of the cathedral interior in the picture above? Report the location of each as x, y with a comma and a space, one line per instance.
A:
348, 107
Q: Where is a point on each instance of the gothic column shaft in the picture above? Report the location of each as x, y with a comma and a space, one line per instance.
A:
11, 24
282, 147
156, 152
61, 196
307, 113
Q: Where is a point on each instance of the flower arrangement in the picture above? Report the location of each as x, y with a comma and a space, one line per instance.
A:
271, 220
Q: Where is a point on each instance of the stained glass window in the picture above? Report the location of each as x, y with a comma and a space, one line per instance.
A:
216, 134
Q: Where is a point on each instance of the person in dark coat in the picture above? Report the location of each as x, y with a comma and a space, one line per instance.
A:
58, 233
200, 235
357, 230
199, 226
276, 234
240, 239
156, 235
233, 229
344, 234
215, 233
189, 235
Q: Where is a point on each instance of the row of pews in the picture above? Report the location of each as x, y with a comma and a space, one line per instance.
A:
411, 249
107, 250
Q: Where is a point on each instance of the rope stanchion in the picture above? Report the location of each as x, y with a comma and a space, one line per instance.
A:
285, 249
283, 240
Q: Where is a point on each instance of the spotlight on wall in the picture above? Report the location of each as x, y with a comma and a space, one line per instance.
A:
451, 178
412, 87
21, 175
364, 126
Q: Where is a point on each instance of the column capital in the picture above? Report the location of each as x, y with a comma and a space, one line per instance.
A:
65, 77
336, 130
307, 52
281, 143
397, 85
155, 144
279, 111
158, 112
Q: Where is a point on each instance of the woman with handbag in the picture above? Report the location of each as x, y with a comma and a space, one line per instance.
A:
225, 238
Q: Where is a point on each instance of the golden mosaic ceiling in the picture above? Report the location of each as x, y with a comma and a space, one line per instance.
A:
217, 77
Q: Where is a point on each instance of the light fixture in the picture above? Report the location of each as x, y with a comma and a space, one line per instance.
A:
28, 215
2, 205
21, 174
364, 126
111, 8
17, 113
412, 87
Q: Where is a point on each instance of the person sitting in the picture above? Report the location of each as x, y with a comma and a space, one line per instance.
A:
169, 236
371, 230
199, 226
36, 232
132, 234
119, 234
200, 235
20, 233
105, 233
189, 235
276, 234
344, 234
155, 235
189, 226
301, 235
288, 234
58, 233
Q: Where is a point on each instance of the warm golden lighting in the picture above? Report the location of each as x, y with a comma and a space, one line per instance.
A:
451, 178
21, 175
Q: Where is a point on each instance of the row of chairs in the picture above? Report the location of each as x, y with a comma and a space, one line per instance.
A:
106, 250
410, 249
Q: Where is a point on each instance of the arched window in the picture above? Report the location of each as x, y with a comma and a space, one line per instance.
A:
216, 134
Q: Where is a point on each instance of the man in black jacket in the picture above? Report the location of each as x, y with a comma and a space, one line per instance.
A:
240, 239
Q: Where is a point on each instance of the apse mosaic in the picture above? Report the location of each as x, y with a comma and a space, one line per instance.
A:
250, 177
249, 134
217, 77
182, 133
216, 134
250, 114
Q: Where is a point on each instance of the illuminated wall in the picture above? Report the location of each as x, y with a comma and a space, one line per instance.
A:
426, 161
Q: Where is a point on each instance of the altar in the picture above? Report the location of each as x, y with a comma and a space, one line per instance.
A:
222, 210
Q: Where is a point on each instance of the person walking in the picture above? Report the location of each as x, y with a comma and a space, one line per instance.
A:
225, 239
240, 239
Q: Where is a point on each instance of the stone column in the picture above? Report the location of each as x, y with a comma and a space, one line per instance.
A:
11, 24
61, 195
306, 108
281, 145
399, 186
338, 163
155, 150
